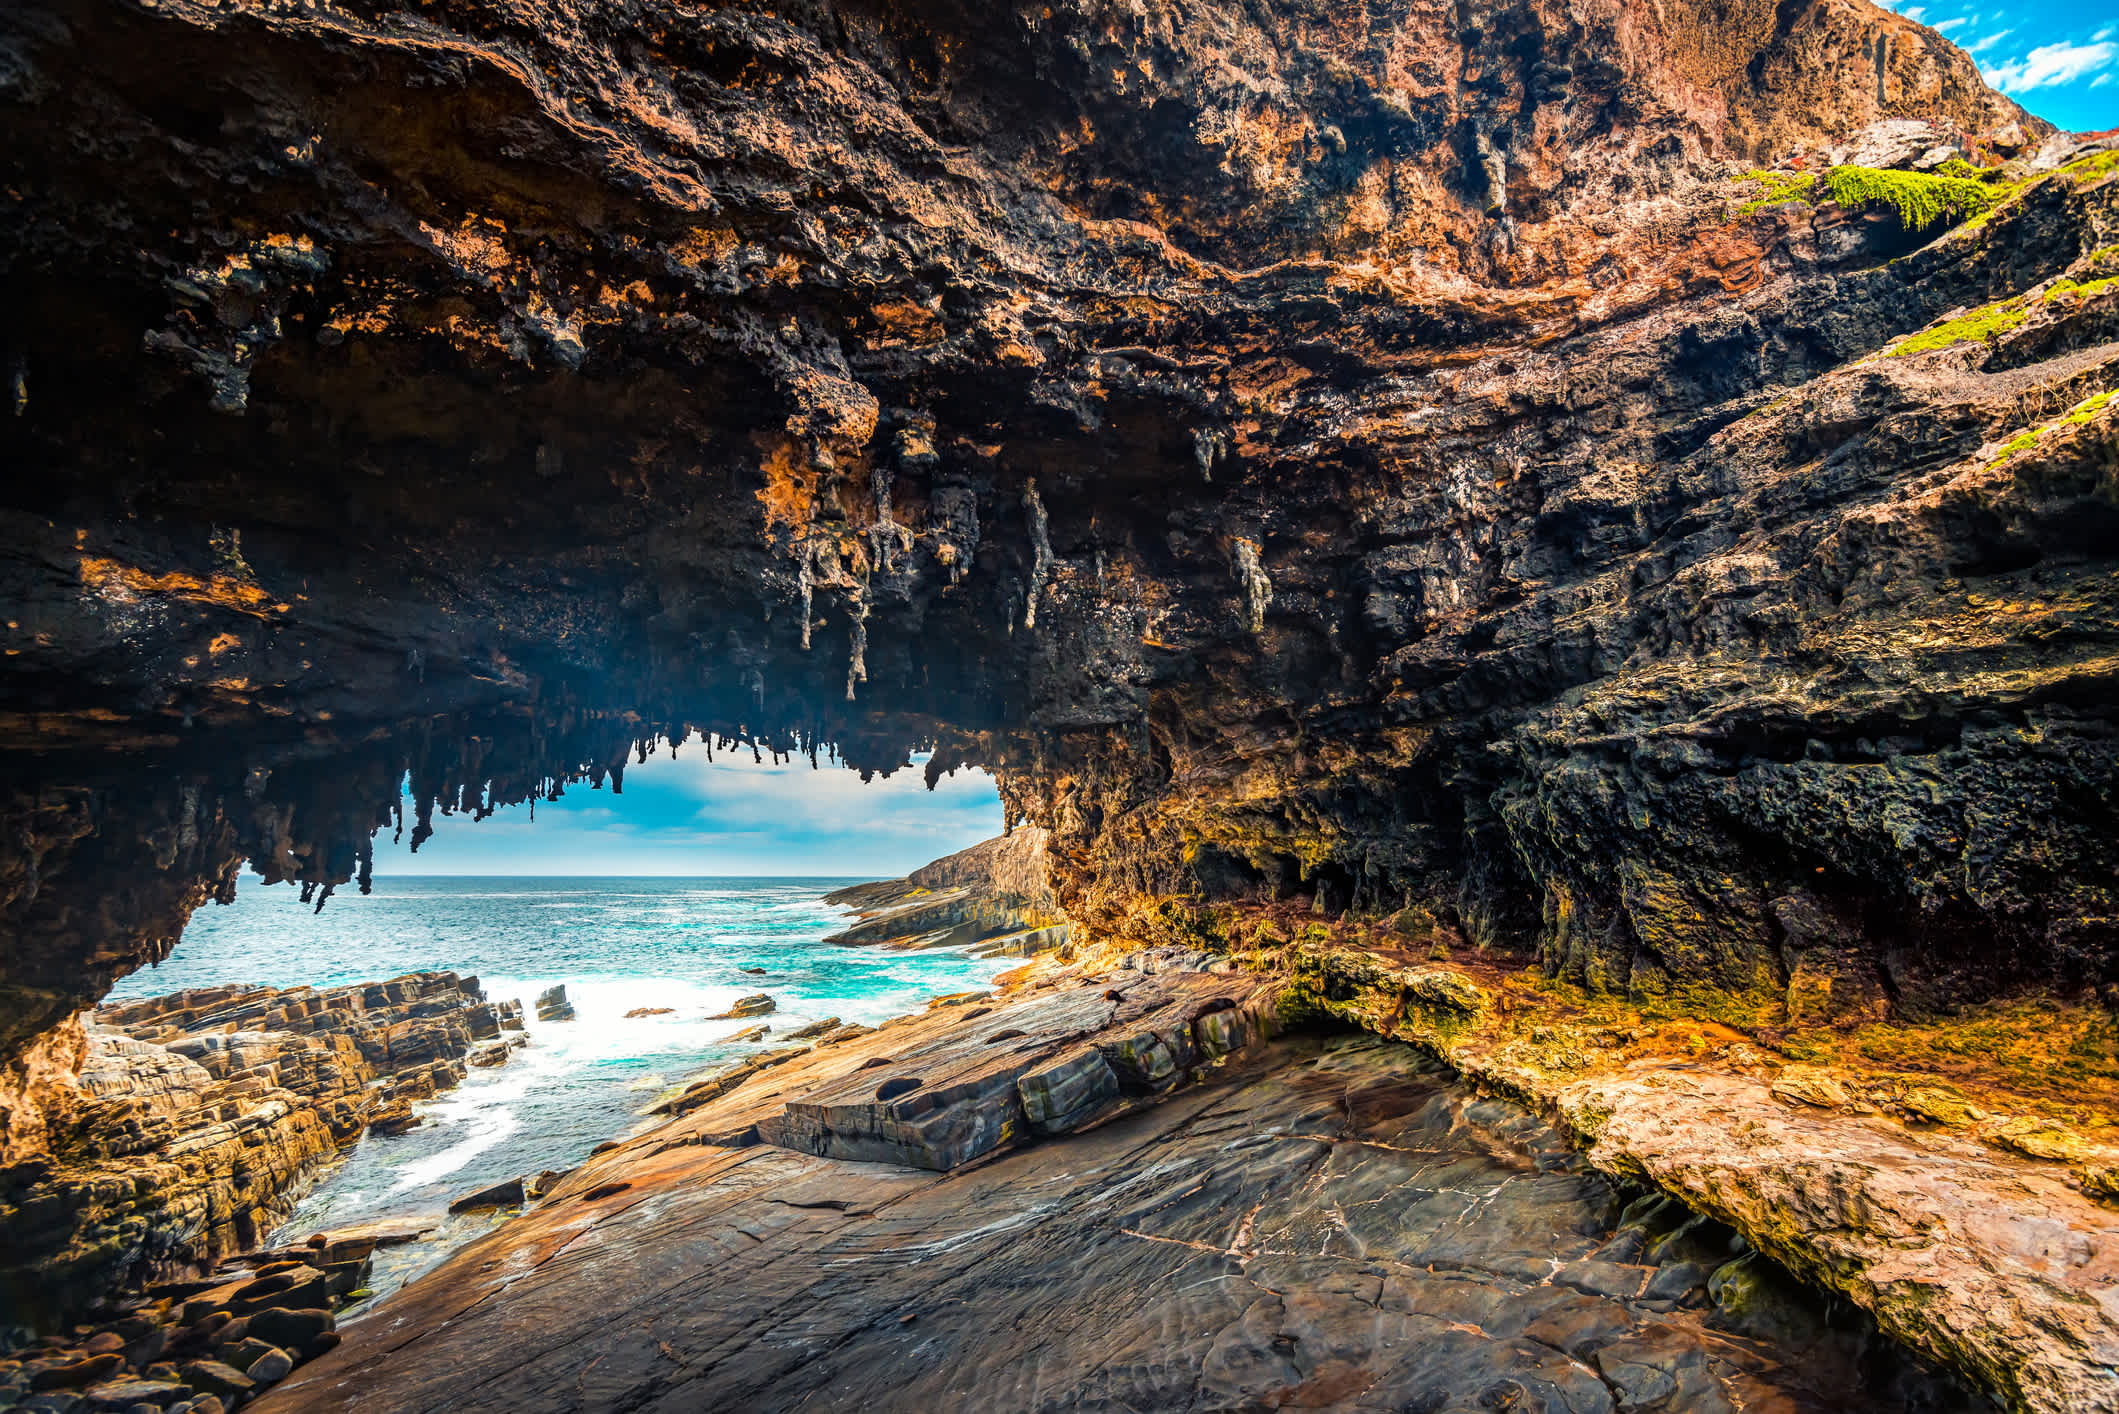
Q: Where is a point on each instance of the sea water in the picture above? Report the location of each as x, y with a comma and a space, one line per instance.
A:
618, 945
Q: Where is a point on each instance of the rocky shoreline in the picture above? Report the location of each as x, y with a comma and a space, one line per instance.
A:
1707, 1245
1141, 1182
197, 1120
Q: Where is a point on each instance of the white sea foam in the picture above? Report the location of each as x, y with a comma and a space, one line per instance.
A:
481, 1114
685, 946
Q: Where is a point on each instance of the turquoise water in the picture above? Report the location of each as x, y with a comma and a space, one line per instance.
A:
617, 944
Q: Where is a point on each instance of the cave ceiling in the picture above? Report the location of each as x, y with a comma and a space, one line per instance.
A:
1358, 451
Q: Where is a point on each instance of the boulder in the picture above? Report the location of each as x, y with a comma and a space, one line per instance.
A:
72, 1374
213, 1377
843, 1033
292, 1329
394, 1118
552, 1004
813, 1030
1151, 1059
273, 1365
1064, 1093
313, 1288
121, 1396
505, 1194
544, 1183
649, 1011
757, 1005
388, 1232
243, 1353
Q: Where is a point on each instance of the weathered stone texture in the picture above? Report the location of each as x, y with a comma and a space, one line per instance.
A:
197, 1118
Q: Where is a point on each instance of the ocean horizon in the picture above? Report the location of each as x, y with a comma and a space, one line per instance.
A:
685, 945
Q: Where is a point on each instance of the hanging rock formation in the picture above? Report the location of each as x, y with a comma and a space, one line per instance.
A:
1276, 499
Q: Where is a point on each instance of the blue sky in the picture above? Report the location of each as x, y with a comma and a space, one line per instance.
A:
689, 816
2059, 61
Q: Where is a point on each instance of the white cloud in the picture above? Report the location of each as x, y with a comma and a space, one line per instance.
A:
1917, 12
1947, 25
728, 817
2108, 32
2050, 65
1981, 46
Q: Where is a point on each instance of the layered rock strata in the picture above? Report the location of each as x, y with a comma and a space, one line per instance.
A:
1332, 1225
1405, 456
197, 1119
1994, 1258
1630, 483
993, 898
206, 1346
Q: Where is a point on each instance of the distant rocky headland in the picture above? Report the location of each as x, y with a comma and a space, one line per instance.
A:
992, 898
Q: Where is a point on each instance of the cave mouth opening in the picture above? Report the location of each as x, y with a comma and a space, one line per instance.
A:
605, 868
531, 989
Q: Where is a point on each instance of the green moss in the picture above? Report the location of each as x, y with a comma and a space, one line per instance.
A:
1779, 189
1921, 199
2084, 170
2075, 416
1172, 921
1416, 922
2081, 290
1745, 1011
2022, 442
2080, 172
2086, 409
1980, 325
1301, 1003
1268, 934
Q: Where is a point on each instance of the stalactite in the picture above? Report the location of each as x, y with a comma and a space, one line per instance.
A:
857, 661
807, 579
1041, 551
1208, 449
1257, 588
886, 537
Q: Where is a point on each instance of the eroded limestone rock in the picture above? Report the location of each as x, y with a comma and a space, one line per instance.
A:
197, 1118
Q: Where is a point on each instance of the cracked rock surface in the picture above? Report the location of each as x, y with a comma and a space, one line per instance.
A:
197, 1119
1329, 1225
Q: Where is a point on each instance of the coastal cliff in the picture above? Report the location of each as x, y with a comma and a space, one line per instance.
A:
195, 1121
1576, 538
993, 897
